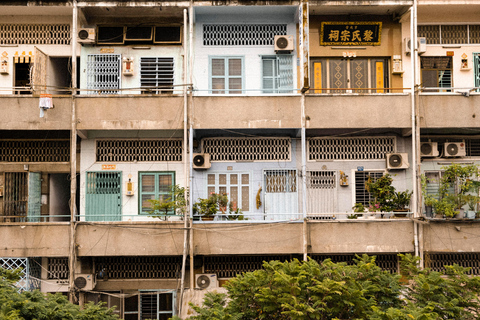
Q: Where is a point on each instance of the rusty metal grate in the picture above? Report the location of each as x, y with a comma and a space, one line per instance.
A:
139, 150
438, 261
15, 201
35, 34
248, 149
34, 150
58, 268
366, 148
139, 267
230, 266
387, 262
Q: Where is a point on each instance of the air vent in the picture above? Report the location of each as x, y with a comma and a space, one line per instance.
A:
201, 161
429, 149
397, 161
206, 281
283, 43
454, 149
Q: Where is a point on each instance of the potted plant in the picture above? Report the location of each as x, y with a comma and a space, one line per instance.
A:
472, 201
173, 204
359, 209
428, 200
206, 208
382, 192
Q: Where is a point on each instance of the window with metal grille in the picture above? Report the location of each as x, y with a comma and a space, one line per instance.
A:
103, 200
226, 75
139, 150
34, 34
158, 305
438, 261
476, 69
155, 186
241, 34
277, 74
103, 73
321, 193
362, 148
472, 147
361, 194
248, 149
450, 34
230, 266
436, 73
57, 268
235, 185
157, 74
280, 181
139, 267
34, 150
15, 200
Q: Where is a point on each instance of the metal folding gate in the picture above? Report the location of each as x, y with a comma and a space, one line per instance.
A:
321, 191
103, 201
281, 195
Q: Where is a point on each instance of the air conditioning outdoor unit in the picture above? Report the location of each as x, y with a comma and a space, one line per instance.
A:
201, 161
454, 149
429, 149
284, 43
85, 281
86, 35
397, 161
206, 281
52, 285
421, 44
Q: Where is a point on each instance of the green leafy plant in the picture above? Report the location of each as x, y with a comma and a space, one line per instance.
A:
174, 203
216, 203
401, 200
358, 207
428, 200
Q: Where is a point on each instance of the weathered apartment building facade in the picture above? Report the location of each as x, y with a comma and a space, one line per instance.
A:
286, 106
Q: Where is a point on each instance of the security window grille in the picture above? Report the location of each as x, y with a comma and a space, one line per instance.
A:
230, 266
241, 34
235, 185
280, 181
15, 199
248, 149
438, 261
103, 200
436, 73
57, 268
226, 75
155, 186
103, 73
350, 148
34, 150
361, 194
139, 267
321, 192
139, 150
277, 74
450, 34
18, 34
156, 74
157, 305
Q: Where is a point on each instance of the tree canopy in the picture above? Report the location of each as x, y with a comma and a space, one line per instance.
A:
309, 290
30, 305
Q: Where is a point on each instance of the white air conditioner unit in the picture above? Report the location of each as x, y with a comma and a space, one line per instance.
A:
85, 281
397, 161
421, 44
86, 35
206, 281
284, 43
429, 149
201, 161
454, 149
52, 285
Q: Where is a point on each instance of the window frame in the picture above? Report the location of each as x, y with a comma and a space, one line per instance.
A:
240, 185
438, 72
156, 193
277, 74
226, 76
157, 72
354, 190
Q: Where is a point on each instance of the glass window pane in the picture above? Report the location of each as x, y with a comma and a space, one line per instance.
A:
222, 190
233, 179
131, 303
165, 183
218, 67
165, 302
211, 179
234, 197
146, 205
268, 68
148, 183
211, 190
218, 85
245, 179
222, 179
235, 85
235, 67
245, 199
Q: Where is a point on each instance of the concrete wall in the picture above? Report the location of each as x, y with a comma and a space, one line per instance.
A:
453, 236
449, 110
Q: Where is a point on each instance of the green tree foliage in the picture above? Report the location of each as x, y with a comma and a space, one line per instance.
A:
30, 305
308, 290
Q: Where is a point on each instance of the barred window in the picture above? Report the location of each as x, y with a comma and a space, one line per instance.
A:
350, 148
361, 194
103, 73
450, 34
248, 149
35, 34
34, 150
241, 34
156, 72
139, 150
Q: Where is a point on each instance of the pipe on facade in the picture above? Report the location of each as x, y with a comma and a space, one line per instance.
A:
190, 146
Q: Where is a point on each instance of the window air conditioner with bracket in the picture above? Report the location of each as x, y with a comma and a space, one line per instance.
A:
454, 149
206, 281
421, 44
85, 281
284, 43
86, 35
55, 285
201, 161
429, 149
396, 161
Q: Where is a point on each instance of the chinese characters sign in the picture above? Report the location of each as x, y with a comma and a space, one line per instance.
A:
350, 33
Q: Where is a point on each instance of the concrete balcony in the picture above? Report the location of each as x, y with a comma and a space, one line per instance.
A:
129, 112
448, 110
23, 113
246, 112
358, 111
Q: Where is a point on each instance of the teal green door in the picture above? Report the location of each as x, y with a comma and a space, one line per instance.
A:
34, 196
103, 201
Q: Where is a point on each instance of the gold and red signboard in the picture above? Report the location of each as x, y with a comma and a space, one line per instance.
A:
109, 167
355, 33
